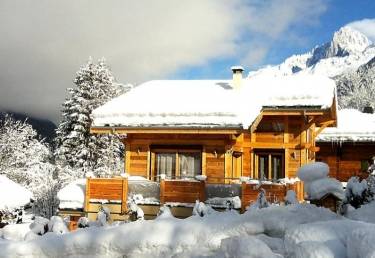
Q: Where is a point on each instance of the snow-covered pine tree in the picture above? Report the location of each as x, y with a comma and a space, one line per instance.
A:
26, 159
77, 151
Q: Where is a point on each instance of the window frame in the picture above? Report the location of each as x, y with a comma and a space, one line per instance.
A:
176, 174
269, 154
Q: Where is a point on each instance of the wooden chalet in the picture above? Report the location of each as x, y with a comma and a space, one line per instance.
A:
349, 149
224, 132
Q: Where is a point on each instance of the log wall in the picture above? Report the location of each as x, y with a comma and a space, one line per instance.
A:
291, 135
344, 159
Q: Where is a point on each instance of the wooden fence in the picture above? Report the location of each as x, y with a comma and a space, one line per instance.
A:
182, 191
108, 189
274, 192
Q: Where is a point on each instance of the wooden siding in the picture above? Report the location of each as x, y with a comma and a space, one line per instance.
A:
113, 189
181, 191
344, 159
292, 135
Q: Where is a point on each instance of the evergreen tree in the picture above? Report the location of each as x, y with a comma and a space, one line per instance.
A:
26, 159
77, 150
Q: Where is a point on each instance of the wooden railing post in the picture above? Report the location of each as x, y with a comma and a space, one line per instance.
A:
87, 195
243, 205
162, 190
124, 197
202, 191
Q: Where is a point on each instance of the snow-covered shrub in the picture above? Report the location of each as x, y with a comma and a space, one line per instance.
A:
136, 211
317, 184
39, 226
261, 201
357, 192
104, 215
164, 212
201, 209
291, 197
57, 225
83, 222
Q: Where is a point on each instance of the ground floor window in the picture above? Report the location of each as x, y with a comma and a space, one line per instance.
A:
177, 163
269, 165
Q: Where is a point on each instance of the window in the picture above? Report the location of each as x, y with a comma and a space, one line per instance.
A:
177, 163
269, 165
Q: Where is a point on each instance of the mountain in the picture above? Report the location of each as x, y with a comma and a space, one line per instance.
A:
347, 50
45, 128
349, 59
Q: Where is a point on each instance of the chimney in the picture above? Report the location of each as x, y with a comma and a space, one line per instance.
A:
237, 76
368, 110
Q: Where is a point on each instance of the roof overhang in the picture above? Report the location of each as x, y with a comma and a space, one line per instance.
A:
163, 130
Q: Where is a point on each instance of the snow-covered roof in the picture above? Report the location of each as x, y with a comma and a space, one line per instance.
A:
352, 125
212, 103
13, 195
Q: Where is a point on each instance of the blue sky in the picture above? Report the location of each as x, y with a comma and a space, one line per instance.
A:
337, 14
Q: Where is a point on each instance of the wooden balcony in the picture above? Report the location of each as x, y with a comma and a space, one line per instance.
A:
114, 193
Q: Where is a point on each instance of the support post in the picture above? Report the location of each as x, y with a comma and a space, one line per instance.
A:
162, 191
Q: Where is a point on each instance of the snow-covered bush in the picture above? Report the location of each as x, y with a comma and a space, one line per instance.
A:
57, 225
201, 209
357, 192
136, 211
39, 226
164, 212
261, 201
104, 215
291, 197
317, 184
83, 222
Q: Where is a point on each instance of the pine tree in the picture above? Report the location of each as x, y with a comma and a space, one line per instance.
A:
77, 150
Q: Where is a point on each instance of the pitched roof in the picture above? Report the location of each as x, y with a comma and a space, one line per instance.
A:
352, 126
212, 103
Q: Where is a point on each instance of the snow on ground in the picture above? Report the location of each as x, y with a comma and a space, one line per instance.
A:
298, 230
213, 235
365, 213
20, 195
72, 196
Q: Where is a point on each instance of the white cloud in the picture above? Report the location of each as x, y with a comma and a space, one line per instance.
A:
44, 42
366, 26
275, 21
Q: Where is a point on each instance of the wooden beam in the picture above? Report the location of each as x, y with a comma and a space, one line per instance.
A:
271, 145
87, 195
287, 112
323, 126
124, 130
255, 124
162, 191
124, 198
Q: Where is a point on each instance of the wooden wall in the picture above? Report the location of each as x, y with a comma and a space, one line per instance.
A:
344, 159
288, 134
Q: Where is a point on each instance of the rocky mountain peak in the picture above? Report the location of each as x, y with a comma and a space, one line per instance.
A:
348, 41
